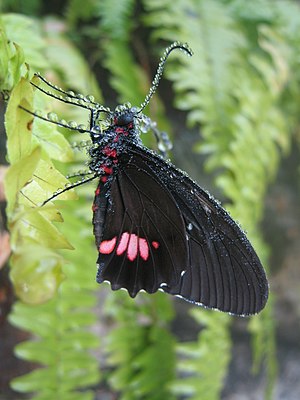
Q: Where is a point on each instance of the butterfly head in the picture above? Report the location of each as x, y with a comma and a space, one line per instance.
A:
124, 116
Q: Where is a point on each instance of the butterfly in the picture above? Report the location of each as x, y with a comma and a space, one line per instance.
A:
155, 228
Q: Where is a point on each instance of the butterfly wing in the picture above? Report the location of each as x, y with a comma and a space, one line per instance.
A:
139, 231
221, 270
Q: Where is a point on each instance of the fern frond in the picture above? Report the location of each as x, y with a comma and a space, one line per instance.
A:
117, 19
141, 348
127, 78
74, 11
203, 364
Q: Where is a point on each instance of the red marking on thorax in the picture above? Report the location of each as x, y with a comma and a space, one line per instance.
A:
109, 152
129, 243
107, 170
120, 131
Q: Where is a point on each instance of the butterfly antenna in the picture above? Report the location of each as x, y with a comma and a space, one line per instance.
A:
176, 45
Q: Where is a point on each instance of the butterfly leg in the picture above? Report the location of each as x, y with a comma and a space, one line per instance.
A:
71, 98
70, 186
83, 144
79, 173
51, 85
54, 120
79, 100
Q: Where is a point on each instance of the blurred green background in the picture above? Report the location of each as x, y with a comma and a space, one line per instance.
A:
232, 111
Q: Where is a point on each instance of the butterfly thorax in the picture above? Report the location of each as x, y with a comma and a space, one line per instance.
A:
112, 142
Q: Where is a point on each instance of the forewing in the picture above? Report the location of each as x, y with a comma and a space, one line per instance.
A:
139, 231
222, 269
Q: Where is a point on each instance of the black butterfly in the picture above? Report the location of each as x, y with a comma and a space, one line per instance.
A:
155, 228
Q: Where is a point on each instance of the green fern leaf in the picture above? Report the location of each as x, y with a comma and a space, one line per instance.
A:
58, 295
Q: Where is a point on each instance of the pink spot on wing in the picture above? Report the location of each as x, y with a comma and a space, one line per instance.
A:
107, 246
143, 248
132, 249
97, 192
122, 246
155, 244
